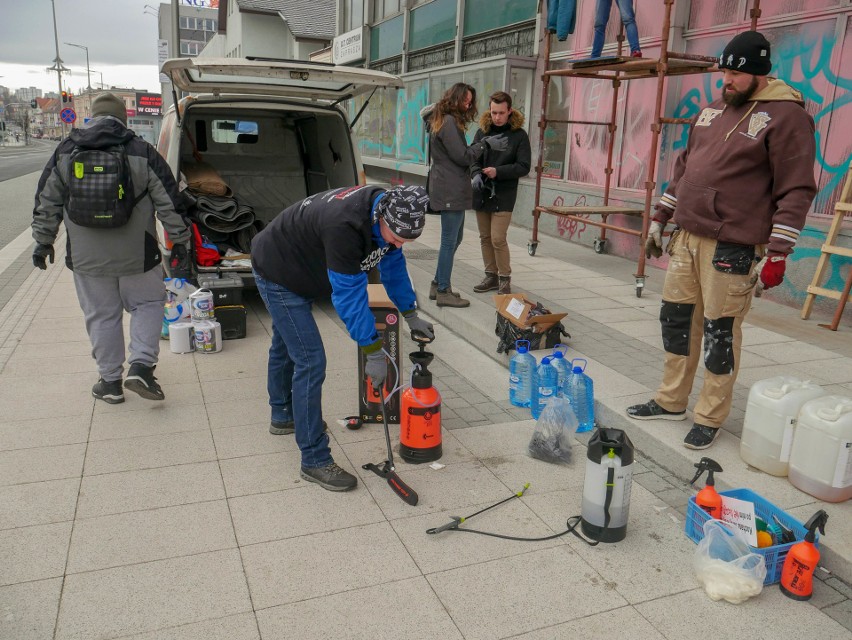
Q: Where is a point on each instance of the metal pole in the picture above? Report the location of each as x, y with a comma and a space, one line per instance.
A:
175, 30
57, 63
88, 72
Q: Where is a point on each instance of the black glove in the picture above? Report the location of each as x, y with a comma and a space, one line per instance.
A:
376, 368
40, 255
179, 266
476, 182
419, 325
496, 143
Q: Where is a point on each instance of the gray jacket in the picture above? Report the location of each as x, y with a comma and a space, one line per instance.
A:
449, 176
120, 251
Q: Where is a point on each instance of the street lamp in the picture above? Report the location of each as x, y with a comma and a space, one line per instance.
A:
101, 73
88, 74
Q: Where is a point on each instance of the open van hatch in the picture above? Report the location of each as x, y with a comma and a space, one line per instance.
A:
290, 78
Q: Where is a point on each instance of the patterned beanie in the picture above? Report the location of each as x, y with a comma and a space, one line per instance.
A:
404, 210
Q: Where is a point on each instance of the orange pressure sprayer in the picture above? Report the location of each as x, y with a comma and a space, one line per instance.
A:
420, 410
708, 499
797, 576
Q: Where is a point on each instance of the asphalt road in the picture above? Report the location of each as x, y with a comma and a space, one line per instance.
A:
19, 171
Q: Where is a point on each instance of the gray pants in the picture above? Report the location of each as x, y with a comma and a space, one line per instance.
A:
103, 301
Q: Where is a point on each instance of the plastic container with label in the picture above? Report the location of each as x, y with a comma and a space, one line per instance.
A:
770, 421
821, 457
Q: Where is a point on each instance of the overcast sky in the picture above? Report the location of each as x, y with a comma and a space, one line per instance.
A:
121, 38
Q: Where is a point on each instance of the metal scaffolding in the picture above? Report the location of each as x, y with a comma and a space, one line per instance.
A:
618, 69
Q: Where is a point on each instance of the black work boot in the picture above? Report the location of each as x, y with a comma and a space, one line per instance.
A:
140, 379
330, 477
489, 283
288, 427
109, 392
505, 286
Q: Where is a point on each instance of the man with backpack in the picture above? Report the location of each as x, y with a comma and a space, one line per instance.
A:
105, 183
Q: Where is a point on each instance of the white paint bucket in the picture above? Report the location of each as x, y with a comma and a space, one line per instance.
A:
201, 303
208, 336
182, 337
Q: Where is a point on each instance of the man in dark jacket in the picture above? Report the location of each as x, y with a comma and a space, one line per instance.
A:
740, 194
115, 267
495, 188
324, 245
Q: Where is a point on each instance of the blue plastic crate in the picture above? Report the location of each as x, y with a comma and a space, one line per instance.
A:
774, 555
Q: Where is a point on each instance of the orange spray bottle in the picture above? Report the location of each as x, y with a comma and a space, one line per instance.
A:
708, 499
797, 576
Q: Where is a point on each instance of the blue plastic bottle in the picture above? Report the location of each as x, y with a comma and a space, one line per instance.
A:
580, 389
521, 375
559, 361
547, 378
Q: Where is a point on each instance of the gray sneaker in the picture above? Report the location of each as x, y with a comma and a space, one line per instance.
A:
330, 477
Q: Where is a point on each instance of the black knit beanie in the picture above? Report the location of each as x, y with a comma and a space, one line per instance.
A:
404, 210
747, 52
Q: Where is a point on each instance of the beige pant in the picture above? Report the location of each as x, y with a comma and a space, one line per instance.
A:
492, 239
699, 301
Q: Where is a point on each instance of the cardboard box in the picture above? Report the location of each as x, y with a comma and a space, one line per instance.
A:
515, 307
388, 321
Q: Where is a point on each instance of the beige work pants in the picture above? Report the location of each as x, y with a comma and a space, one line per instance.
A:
493, 227
702, 301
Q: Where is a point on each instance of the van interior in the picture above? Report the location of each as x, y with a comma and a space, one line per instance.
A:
270, 157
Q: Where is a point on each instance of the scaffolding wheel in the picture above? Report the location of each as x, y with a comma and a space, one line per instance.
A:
531, 247
600, 245
640, 284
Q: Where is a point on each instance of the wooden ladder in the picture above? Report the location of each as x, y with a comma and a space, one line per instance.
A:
841, 209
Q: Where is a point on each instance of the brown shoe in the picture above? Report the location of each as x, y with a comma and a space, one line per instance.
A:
489, 283
433, 290
450, 298
505, 285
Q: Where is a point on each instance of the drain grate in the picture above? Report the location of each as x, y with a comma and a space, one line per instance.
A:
421, 254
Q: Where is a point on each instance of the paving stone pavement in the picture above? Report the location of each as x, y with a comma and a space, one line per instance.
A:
186, 519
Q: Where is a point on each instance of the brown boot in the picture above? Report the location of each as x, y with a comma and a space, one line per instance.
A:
450, 298
433, 290
505, 285
489, 283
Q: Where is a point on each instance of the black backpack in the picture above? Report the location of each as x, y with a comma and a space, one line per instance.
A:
100, 189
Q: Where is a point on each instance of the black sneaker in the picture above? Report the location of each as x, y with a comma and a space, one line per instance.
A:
652, 411
700, 437
141, 380
287, 428
109, 392
330, 477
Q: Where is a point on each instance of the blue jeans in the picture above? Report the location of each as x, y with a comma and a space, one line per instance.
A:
296, 370
452, 231
625, 7
561, 17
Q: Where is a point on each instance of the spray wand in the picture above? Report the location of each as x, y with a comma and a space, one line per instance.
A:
457, 520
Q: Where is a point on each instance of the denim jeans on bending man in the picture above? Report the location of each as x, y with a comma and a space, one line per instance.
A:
296, 370
628, 17
452, 231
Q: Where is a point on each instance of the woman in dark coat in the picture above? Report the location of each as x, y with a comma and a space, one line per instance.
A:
495, 179
449, 187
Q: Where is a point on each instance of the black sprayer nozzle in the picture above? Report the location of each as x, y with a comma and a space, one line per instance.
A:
709, 465
817, 521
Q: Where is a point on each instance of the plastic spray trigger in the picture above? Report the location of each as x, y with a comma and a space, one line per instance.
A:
710, 466
817, 521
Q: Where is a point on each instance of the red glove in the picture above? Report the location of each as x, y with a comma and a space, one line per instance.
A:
772, 270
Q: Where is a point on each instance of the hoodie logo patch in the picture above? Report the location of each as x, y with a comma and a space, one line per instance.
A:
757, 123
706, 117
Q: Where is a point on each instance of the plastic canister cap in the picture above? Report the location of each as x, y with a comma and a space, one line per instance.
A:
521, 348
577, 370
545, 360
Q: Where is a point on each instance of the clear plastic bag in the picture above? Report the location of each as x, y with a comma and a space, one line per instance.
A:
726, 566
551, 440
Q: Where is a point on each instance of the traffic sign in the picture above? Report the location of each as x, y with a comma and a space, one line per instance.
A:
68, 115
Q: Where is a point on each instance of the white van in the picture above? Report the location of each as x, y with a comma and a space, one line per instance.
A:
273, 130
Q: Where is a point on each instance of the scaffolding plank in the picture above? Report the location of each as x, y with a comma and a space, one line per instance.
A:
635, 67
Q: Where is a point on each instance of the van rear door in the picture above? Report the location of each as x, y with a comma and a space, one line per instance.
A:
286, 78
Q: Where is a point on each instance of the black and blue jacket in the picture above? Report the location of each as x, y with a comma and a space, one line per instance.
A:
325, 245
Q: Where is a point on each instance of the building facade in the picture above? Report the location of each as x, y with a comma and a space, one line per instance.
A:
495, 44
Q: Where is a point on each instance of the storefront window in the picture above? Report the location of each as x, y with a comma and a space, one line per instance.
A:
487, 15
431, 24
386, 39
